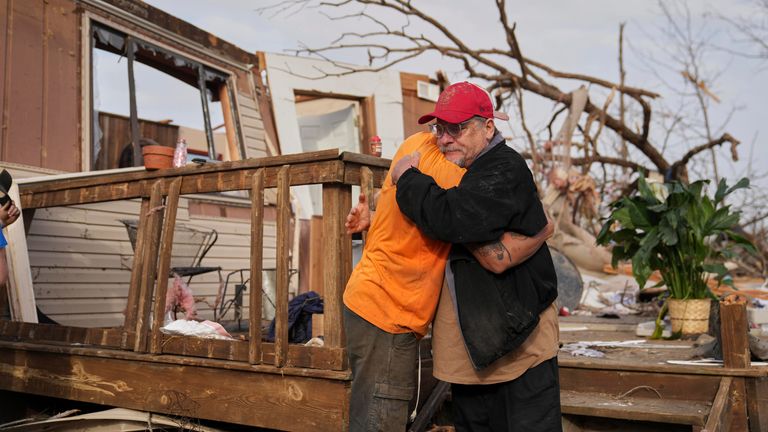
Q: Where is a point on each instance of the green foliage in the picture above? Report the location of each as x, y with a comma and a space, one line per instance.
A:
670, 228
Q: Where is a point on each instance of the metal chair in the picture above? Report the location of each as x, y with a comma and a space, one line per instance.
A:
187, 241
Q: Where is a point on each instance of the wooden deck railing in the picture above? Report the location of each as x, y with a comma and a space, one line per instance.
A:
159, 192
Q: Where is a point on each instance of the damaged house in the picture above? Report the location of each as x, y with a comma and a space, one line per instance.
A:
87, 85
254, 219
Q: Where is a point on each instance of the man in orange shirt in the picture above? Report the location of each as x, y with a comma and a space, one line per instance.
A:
392, 294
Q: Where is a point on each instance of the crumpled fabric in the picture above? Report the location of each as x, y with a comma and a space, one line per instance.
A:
300, 311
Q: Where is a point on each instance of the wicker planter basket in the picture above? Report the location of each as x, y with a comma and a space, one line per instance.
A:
689, 316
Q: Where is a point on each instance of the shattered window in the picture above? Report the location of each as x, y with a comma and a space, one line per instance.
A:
147, 95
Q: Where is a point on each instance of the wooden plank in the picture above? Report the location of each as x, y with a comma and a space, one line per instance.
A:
244, 397
229, 123
737, 410
149, 266
719, 406
352, 174
431, 406
757, 403
237, 350
110, 337
611, 366
164, 264
633, 408
21, 291
283, 265
372, 162
337, 265
734, 337
219, 181
257, 247
668, 385
137, 270
78, 180
316, 255
368, 108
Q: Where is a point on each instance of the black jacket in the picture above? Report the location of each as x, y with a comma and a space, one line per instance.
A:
496, 194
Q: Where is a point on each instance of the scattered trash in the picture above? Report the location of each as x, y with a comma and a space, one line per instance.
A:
206, 329
581, 349
315, 342
708, 362
115, 419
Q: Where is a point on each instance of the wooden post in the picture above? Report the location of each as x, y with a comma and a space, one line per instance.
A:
257, 250
152, 241
735, 340
337, 266
283, 265
316, 255
166, 248
129, 325
366, 187
733, 331
229, 123
22, 293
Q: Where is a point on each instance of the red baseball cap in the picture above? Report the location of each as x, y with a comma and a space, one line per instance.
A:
462, 101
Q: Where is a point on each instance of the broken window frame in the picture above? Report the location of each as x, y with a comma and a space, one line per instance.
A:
205, 78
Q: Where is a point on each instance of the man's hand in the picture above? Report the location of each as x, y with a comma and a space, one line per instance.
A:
359, 218
548, 231
406, 162
9, 213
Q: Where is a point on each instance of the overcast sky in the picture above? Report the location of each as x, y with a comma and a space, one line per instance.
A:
573, 36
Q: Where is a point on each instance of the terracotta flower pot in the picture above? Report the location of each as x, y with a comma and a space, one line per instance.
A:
157, 157
689, 316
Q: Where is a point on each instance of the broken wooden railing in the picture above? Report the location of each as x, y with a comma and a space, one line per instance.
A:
159, 192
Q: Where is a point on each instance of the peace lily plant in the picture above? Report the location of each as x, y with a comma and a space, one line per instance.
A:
673, 227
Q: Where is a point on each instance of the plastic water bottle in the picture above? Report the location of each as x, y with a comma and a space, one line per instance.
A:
180, 154
375, 146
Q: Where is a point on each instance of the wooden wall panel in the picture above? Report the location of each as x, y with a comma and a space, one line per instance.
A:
253, 127
413, 106
61, 147
5, 19
24, 97
41, 84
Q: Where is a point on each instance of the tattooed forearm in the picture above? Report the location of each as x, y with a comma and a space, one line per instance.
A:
496, 248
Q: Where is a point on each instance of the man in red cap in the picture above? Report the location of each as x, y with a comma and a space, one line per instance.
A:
504, 375
392, 294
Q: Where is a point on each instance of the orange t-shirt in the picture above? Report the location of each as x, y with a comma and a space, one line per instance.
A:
396, 284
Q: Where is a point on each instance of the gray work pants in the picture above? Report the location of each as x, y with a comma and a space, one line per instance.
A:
383, 378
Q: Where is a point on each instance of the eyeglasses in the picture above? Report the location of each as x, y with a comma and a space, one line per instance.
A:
452, 129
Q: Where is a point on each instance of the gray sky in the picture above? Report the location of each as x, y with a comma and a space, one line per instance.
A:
578, 37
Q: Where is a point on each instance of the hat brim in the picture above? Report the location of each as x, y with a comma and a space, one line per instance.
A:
446, 116
456, 116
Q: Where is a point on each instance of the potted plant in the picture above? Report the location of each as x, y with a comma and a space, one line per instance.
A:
673, 228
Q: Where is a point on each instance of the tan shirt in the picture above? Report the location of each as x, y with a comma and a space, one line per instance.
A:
451, 360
